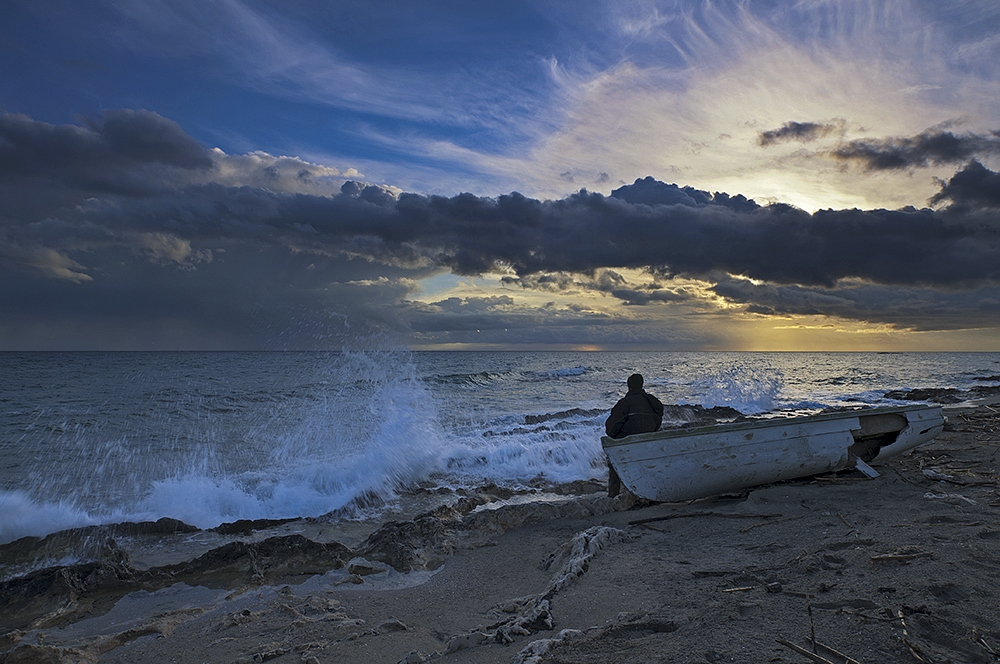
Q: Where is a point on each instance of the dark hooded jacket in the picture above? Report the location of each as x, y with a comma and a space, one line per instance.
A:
636, 412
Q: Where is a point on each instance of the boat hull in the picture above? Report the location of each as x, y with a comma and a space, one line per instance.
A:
684, 464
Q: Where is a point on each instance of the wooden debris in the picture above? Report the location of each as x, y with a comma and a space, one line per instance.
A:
802, 651
767, 523
688, 515
812, 627
911, 646
836, 653
739, 589
652, 527
844, 659
900, 556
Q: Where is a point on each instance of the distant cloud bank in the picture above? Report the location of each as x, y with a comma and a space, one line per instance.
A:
125, 223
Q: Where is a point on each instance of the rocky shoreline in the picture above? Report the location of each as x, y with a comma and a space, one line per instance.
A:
895, 569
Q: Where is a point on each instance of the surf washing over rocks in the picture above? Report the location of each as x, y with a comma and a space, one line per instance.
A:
215, 438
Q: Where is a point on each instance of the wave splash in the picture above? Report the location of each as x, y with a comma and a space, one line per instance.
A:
750, 389
374, 432
369, 430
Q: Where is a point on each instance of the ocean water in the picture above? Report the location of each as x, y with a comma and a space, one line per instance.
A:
211, 438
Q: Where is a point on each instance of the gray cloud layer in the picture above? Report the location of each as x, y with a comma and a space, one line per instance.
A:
126, 229
798, 131
929, 148
933, 147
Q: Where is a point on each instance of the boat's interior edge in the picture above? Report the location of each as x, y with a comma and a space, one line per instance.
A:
877, 431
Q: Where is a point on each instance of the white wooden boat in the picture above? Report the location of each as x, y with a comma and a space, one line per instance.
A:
683, 464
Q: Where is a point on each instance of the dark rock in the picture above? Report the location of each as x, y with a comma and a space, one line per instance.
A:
407, 545
268, 561
247, 526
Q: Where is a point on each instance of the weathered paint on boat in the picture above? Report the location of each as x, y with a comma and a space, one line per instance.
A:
683, 464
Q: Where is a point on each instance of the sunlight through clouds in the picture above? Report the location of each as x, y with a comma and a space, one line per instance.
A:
686, 174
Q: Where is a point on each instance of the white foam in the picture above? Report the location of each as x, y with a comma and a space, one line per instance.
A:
747, 388
24, 516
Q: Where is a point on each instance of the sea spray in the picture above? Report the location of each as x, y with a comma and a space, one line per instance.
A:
553, 447
376, 432
21, 516
750, 389
353, 429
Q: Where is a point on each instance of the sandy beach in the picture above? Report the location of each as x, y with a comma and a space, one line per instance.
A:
901, 568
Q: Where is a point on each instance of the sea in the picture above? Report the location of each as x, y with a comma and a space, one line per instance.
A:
93, 438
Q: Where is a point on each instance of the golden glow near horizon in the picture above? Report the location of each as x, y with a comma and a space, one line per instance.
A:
732, 326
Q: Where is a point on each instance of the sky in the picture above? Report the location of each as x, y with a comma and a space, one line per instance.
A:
635, 175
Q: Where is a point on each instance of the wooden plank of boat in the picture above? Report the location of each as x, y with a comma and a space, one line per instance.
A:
683, 464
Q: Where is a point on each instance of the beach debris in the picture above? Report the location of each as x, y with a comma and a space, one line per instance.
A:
769, 522
463, 641
578, 553
908, 640
691, 515
903, 555
526, 615
574, 645
841, 658
532, 653
979, 639
936, 474
953, 498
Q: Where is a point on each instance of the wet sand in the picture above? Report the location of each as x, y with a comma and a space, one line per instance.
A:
901, 568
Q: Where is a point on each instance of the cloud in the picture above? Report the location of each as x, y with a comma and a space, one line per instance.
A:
164, 248
648, 191
222, 252
802, 132
975, 186
911, 308
932, 147
114, 153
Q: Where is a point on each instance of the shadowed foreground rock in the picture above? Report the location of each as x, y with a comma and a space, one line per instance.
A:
57, 596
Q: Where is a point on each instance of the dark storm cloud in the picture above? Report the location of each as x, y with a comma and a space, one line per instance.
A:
103, 155
930, 148
802, 132
92, 230
975, 186
649, 191
697, 237
913, 308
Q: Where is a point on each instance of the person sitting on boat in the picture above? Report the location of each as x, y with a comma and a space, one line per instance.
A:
636, 412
